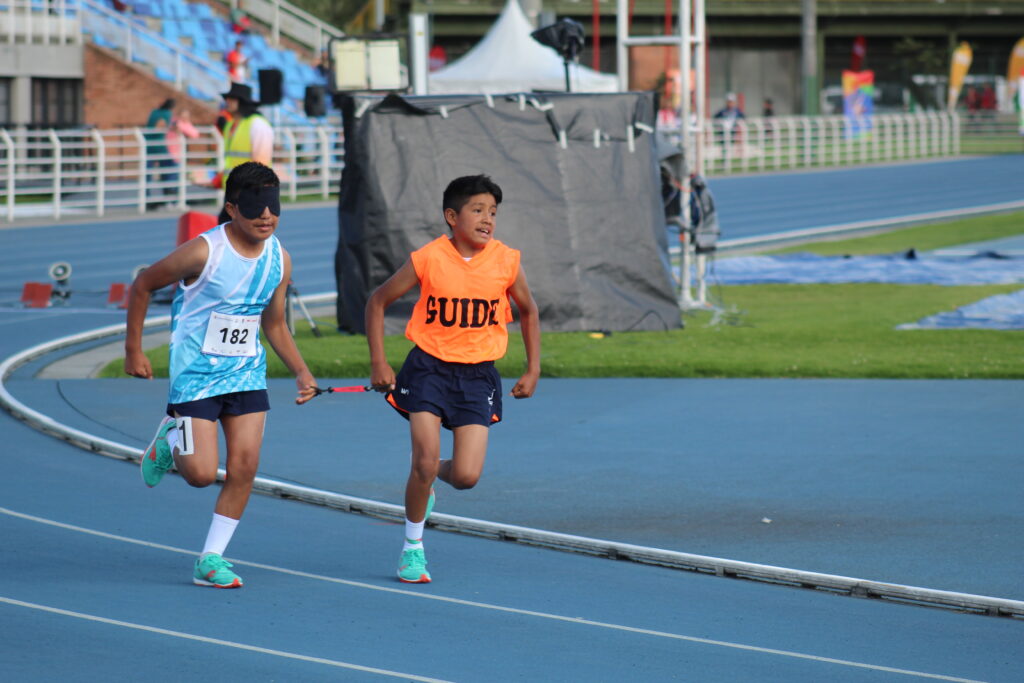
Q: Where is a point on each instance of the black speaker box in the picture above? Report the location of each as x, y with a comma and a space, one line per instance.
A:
315, 103
270, 86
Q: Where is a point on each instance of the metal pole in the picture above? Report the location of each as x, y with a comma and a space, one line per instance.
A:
9, 143
700, 84
275, 29
809, 54
419, 52
143, 167
101, 172
621, 51
57, 170
325, 161
685, 107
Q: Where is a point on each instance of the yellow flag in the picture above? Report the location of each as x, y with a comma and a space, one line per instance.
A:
1016, 66
957, 72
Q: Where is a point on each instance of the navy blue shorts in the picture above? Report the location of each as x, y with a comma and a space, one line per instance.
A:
459, 393
212, 408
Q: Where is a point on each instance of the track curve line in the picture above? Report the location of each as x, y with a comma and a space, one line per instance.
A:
864, 588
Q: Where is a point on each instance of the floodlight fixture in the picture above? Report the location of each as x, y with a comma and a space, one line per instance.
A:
566, 37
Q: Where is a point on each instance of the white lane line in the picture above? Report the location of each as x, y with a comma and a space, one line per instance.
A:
760, 240
497, 608
218, 641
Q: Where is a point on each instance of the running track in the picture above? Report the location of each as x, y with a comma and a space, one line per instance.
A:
94, 582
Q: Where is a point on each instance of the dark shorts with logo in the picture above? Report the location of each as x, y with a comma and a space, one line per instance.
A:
212, 408
459, 393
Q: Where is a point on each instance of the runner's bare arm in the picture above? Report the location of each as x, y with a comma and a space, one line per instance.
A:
275, 327
184, 263
382, 375
529, 323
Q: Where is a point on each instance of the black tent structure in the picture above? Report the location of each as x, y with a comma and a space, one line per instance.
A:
582, 199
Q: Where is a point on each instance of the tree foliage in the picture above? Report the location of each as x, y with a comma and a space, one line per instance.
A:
335, 12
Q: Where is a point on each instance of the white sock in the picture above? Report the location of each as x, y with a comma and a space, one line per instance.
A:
413, 534
172, 438
221, 530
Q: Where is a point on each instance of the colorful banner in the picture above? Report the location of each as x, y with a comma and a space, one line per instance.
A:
962, 57
858, 102
1015, 69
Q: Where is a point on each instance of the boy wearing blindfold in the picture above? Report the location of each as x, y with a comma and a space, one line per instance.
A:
232, 283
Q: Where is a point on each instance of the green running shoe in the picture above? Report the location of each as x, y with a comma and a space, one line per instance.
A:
413, 567
430, 506
157, 458
214, 570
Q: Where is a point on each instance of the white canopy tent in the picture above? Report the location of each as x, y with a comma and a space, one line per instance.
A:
507, 60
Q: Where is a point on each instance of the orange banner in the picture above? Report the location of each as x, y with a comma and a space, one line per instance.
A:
958, 72
1016, 67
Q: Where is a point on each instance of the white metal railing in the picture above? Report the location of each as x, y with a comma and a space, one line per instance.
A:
202, 77
40, 21
89, 172
788, 142
86, 171
284, 18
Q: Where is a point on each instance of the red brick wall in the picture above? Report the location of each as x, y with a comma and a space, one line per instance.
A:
120, 95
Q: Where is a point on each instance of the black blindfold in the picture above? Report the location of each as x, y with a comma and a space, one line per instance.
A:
253, 200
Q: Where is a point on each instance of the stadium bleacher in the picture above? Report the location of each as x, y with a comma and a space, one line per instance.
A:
196, 27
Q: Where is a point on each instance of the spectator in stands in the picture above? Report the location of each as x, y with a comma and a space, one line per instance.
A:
240, 21
729, 115
987, 102
767, 112
323, 66
181, 126
157, 155
248, 137
236, 62
973, 102
730, 112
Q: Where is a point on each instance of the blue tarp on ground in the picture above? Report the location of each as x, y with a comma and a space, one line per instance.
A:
986, 268
1003, 312
1000, 312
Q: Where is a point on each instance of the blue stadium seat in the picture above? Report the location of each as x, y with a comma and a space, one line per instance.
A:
257, 43
169, 30
176, 9
163, 74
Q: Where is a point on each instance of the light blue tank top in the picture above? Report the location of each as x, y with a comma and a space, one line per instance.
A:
215, 347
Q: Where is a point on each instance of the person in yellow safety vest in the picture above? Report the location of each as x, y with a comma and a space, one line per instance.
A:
248, 136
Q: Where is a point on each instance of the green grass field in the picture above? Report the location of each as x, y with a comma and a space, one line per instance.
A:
768, 331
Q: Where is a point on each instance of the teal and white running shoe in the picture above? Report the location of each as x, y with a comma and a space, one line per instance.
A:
157, 458
213, 570
413, 567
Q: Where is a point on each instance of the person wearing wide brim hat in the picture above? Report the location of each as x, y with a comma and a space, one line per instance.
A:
248, 136
240, 92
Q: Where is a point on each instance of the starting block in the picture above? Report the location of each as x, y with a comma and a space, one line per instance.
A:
192, 224
118, 295
36, 294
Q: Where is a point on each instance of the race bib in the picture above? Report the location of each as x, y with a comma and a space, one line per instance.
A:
231, 335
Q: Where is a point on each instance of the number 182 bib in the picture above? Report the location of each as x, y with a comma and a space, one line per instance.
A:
231, 335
